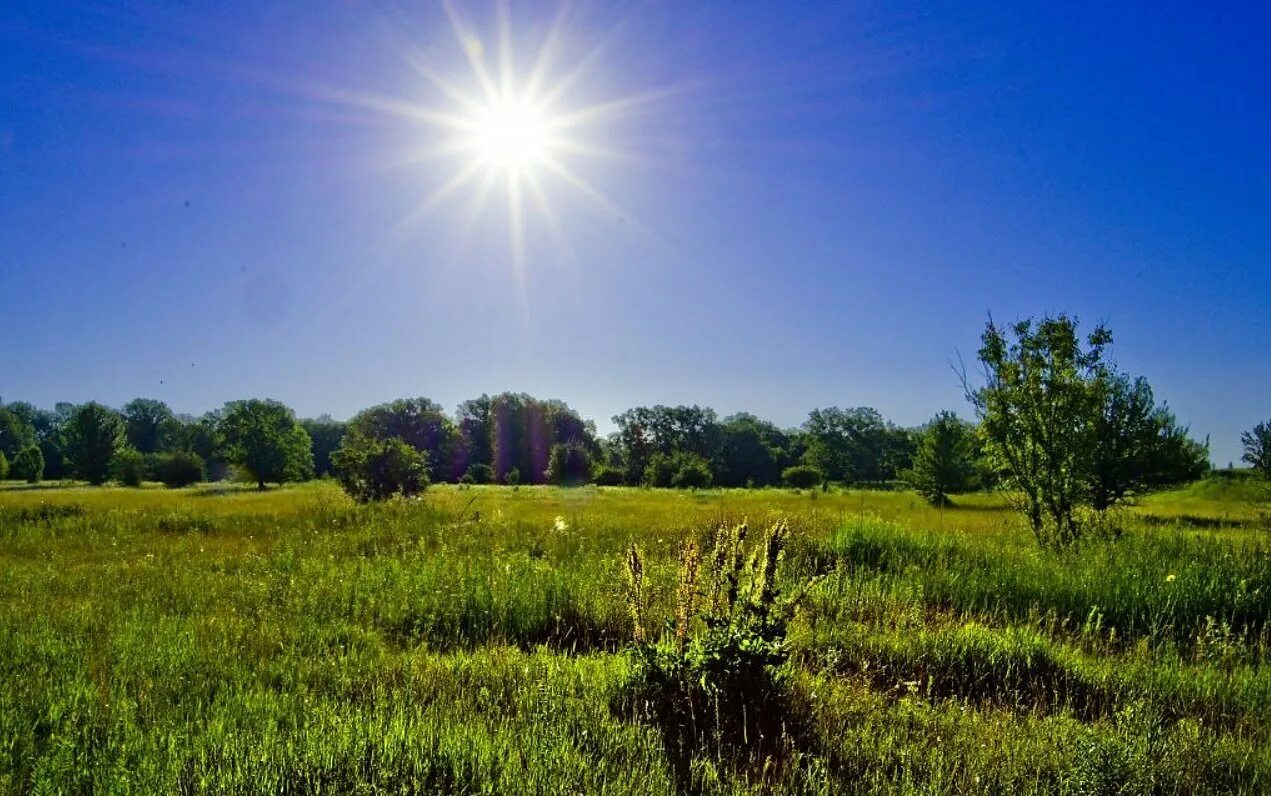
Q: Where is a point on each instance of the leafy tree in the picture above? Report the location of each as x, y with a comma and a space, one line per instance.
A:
177, 469
944, 460
647, 431
522, 430
4, 467
15, 433
607, 475
146, 423
751, 451
28, 465
855, 444
1257, 448
325, 434
569, 464
693, 473
91, 437
129, 467
1041, 390
376, 469
420, 423
802, 476
263, 438
1137, 445
46, 426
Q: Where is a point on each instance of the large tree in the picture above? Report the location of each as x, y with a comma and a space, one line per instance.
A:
263, 438
91, 437
421, 424
1257, 448
752, 451
855, 444
325, 434
147, 421
15, 432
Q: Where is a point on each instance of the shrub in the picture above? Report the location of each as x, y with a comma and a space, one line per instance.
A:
28, 465
375, 469
513, 477
568, 464
802, 476
720, 678
178, 469
129, 467
678, 469
944, 461
4, 467
480, 474
608, 476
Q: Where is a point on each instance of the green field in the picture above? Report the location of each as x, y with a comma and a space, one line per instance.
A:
222, 640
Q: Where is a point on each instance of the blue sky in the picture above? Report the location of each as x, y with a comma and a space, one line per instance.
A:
806, 204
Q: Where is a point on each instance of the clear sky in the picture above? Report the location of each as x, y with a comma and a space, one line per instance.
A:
769, 207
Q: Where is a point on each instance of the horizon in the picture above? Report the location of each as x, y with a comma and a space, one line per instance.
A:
770, 215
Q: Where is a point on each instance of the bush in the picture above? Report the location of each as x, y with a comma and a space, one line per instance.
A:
28, 465
720, 678
129, 467
480, 474
374, 469
568, 465
608, 476
802, 476
679, 469
513, 477
4, 467
178, 469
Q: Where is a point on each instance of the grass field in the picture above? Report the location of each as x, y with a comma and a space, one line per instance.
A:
221, 640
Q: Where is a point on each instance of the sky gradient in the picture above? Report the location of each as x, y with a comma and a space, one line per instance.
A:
202, 202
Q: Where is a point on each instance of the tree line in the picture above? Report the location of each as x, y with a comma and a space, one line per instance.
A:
1056, 423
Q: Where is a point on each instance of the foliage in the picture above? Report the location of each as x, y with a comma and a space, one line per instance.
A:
263, 437
91, 437
325, 434
480, 474
513, 477
569, 464
28, 465
855, 445
802, 476
677, 469
147, 422
4, 467
752, 451
129, 467
178, 469
692, 473
718, 678
608, 476
421, 424
648, 431
377, 469
15, 433
1257, 448
943, 462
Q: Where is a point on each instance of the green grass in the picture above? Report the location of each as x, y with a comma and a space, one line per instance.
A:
220, 640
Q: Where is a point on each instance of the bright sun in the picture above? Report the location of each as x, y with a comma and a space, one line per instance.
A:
511, 134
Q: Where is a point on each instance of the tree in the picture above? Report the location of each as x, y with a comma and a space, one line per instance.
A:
569, 464
944, 461
420, 423
1041, 390
1137, 445
751, 451
1257, 445
177, 469
325, 434
263, 438
376, 469
479, 474
15, 433
129, 467
693, 473
28, 465
4, 467
91, 437
855, 444
146, 423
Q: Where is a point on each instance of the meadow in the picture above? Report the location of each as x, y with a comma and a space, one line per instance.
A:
217, 639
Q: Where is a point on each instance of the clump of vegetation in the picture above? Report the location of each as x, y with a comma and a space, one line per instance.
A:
680, 469
178, 469
264, 438
377, 469
802, 476
1257, 448
944, 461
568, 464
28, 465
129, 467
717, 678
91, 438
4, 467
608, 476
480, 474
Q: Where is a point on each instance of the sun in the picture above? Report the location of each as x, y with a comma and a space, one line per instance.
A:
511, 134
